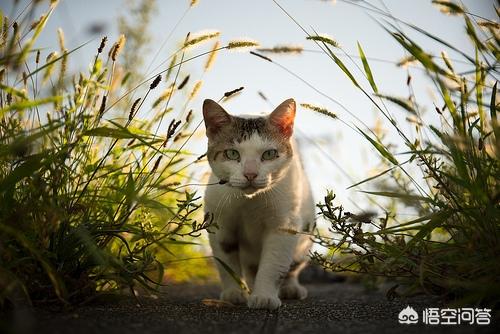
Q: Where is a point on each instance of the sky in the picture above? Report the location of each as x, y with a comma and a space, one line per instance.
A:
334, 155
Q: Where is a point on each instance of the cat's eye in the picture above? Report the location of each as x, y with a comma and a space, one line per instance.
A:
232, 154
270, 155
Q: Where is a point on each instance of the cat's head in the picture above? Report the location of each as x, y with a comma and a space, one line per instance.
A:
250, 154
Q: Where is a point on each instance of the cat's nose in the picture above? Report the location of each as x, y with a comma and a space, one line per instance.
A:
250, 176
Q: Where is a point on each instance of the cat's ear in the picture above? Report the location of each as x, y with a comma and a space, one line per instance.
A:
215, 117
283, 116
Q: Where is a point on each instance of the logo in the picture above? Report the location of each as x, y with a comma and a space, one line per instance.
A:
446, 316
408, 316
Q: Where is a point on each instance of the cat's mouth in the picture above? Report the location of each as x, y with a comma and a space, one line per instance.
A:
249, 188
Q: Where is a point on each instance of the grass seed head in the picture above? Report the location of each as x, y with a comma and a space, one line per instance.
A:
199, 38
117, 47
283, 49
49, 66
448, 7
172, 127
262, 96
167, 93
261, 56
195, 90
157, 163
238, 44
183, 83
406, 61
189, 115
212, 56
232, 92
103, 44
201, 157
155, 82
318, 109
5, 31
60, 35
103, 105
133, 109
324, 39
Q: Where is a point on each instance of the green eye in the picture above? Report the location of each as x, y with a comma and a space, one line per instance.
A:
270, 155
232, 154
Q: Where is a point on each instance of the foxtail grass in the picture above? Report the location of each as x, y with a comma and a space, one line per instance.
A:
451, 247
84, 206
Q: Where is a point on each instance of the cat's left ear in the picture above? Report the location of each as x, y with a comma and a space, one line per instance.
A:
283, 116
215, 117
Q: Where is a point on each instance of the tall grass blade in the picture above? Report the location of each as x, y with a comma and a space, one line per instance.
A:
368, 71
380, 148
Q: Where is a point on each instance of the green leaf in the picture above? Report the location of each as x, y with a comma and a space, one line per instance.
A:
22, 105
407, 226
493, 112
493, 101
480, 77
368, 71
105, 131
180, 242
403, 103
437, 39
27, 168
424, 58
399, 195
382, 150
376, 176
13, 91
426, 229
448, 7
473, 36
332, 55
120, 133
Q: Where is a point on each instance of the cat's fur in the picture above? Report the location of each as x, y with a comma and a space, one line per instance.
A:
260, 205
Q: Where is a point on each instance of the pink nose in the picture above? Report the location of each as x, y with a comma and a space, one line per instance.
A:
250, 176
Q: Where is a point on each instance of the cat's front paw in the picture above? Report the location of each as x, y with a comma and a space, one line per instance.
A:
293, 291
234, 296
264, 301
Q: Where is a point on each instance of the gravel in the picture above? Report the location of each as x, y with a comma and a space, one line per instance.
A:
330, 308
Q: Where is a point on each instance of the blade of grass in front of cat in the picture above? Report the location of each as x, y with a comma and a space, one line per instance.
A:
233, 275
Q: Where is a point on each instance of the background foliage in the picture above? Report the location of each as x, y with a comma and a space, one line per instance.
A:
451, 249
90, 193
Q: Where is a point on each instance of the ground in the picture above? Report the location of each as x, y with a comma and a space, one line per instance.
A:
333, 307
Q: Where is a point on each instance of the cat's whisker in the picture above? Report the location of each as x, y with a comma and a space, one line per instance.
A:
217, 212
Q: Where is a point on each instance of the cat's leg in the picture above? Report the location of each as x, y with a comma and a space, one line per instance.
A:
227, 250
291, 288
274, 264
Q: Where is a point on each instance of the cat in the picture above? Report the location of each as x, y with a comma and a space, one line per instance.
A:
261, 207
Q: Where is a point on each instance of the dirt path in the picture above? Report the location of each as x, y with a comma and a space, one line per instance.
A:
330, 308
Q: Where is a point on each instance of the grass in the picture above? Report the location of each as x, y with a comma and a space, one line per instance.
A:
448, 175
451, 248
91, 194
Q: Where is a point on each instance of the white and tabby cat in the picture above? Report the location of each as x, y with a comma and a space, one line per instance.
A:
265, 194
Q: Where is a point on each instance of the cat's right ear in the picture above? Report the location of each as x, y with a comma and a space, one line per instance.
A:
215, 117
